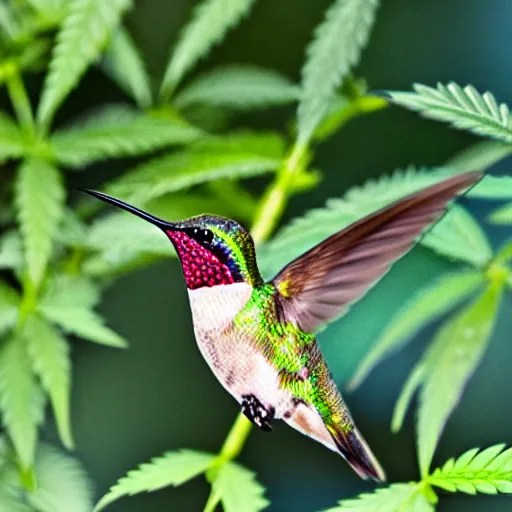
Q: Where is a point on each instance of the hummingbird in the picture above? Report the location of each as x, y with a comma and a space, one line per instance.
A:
258, 337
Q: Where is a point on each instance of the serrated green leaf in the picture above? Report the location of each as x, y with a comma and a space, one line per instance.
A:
453, 356
84, 323
238, 489
50, 358
458, 236
117, 132
63, 484
82, 36
502, 215
211, 19
21, 399
488, 471
480, 155
11, 250
336, 47
48, 8
238, 88
431, 302
124, 64
319, 223
464, 108
75, 291
40, 200
9, 303
72, 231
504, 254
395, 498
173, 468
11, 139
201, 164
493, 187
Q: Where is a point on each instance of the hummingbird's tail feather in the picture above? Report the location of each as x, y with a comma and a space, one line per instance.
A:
357, 453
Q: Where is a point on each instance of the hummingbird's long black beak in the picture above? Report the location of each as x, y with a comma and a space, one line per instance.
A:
162, 224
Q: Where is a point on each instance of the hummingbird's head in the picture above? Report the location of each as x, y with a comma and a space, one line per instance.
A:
212, 250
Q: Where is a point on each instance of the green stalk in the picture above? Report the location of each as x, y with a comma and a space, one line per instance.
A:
20, 100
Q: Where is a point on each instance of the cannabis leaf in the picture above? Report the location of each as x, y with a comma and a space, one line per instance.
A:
238, 88
488, 471
481, 155
11, 250
124, 64
49, 354
40, 201
84, 323
395, 498
9, 303
502, 215
83, 34
451, 359
238, 489
336, 47
173, 468
73, 291
11, 138
211, 19
463, 108
204, 162
63, 484
21, 399
428, 304
116, 132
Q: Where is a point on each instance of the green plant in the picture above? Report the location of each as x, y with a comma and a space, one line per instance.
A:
56, 260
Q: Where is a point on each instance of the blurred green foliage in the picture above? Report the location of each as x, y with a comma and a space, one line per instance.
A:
186, 158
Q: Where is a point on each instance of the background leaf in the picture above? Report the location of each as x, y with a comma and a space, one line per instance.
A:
481, 155
488, 471
63, 485
211, 19
116, 132
21, 399
238, 489
464, 108
11, 250
450, 361
9, 303
49, 354
238, 88
395, 498
502, 215
173, 468
124, 64
336, 47
83, 34
11, 139
40, 202
428, 304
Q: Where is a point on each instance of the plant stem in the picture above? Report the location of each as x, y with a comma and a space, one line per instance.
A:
235, 439
20, 100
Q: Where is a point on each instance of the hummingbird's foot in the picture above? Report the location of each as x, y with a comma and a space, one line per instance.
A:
257, 412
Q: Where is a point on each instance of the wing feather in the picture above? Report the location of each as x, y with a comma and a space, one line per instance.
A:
319, 285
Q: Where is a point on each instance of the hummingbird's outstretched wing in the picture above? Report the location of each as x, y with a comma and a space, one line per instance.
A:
320, 284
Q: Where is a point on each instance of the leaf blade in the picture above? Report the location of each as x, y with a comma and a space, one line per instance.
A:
11, 139
336, 47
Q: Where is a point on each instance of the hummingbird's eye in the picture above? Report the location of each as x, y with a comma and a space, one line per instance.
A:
203, 236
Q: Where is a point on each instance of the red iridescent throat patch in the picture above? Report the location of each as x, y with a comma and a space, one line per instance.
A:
200, 266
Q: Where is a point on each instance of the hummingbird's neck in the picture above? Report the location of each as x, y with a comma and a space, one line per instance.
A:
205, 267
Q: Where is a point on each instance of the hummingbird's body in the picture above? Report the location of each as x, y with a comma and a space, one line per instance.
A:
258, 338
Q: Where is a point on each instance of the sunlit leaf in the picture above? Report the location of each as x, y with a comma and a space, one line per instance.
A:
11, 138
173, 468
48, 8
335, 48
116, 132
451, 360
9, 303
210, 21
395, 498
200, 164
75, 291
464, 108
21, 399
40, 200
238, 88
83, 322
488, 471
11, 250
63, 484
427, 305
493, 187
502, 215
238, 489
481, 155
124, 64
82, 35
49, 354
